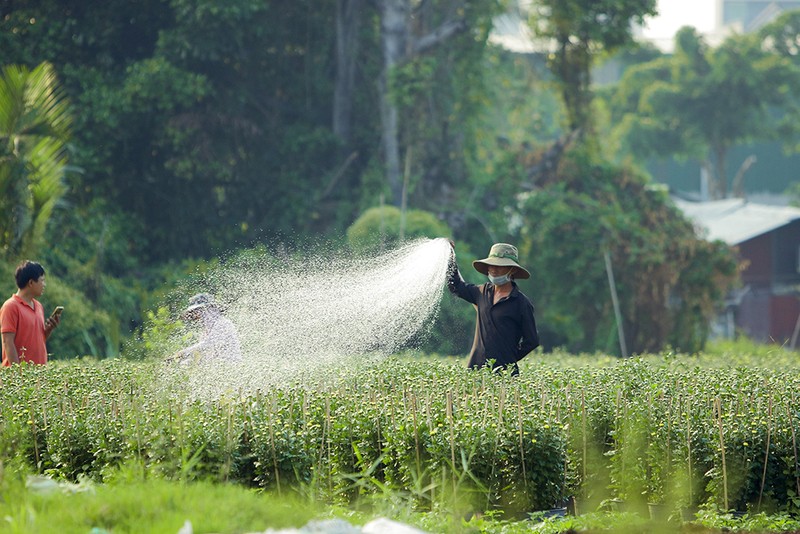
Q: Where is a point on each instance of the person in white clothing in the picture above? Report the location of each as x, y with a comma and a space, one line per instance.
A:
219, 339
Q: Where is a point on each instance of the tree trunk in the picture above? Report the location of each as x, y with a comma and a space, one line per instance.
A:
738, 180
348, 22
573, 63
394, 40
399, 45
722, 173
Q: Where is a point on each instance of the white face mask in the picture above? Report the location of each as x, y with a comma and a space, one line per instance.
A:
500, 280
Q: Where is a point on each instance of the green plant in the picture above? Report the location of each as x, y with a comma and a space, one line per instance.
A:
381, 227
642, 430
35, 126
161, 335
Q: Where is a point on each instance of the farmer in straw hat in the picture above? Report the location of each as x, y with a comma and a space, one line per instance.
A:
505, 331
219, 340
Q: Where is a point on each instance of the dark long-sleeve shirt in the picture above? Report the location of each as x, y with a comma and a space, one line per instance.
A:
504, 332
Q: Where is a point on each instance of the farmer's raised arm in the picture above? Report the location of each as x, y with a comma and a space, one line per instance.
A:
457, 285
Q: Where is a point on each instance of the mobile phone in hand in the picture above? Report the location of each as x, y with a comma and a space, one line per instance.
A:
57, 311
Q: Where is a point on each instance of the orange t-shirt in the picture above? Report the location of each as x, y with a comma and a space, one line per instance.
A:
28, 325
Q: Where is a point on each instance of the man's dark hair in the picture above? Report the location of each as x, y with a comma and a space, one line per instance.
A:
27, 271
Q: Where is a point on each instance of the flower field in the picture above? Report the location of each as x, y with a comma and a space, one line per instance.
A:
681, 432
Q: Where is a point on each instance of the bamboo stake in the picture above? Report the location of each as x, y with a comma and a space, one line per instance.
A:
495, 446
304, 413
451, 424
229, 442
794, 446
648, 466
428, 413
378, 425
669, 437
272, 446
766, 451
521, 438
583, 425
718, 406
413, 402
326, 438
44, 410
392, 414
33, 432
137, 424
501, 404
689, 448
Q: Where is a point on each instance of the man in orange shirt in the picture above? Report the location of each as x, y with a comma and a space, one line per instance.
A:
22, 324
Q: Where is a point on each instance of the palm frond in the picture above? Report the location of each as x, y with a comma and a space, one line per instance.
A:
34, 129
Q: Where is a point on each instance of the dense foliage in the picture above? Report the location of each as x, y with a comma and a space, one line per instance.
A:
212, 124
200, 129
701, 101
580, 30
668, 430
34, 131
668, 282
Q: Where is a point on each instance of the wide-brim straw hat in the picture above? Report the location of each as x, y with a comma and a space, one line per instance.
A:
502, 255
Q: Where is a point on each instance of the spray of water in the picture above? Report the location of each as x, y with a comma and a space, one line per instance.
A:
300, 318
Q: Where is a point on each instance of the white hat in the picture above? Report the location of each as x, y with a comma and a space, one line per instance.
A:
201, 300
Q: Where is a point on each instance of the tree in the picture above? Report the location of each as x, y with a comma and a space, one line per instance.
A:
409, 30
34, 130
702, 101
35, 123
579, 31
348, 24
208, 123
400, 44
216, 124
669, 281
782, 37
382, 227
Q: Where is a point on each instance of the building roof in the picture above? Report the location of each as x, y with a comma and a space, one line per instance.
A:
736, 220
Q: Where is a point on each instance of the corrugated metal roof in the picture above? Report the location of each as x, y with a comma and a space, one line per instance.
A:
735, 220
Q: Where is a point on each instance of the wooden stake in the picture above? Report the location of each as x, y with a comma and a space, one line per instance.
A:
766, 451
718, 406
521, 438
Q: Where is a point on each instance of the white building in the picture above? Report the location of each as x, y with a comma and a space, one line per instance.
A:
745, 16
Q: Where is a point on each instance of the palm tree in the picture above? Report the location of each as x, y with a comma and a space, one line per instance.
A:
34, 129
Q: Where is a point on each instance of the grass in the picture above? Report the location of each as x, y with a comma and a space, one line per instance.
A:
132, 504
